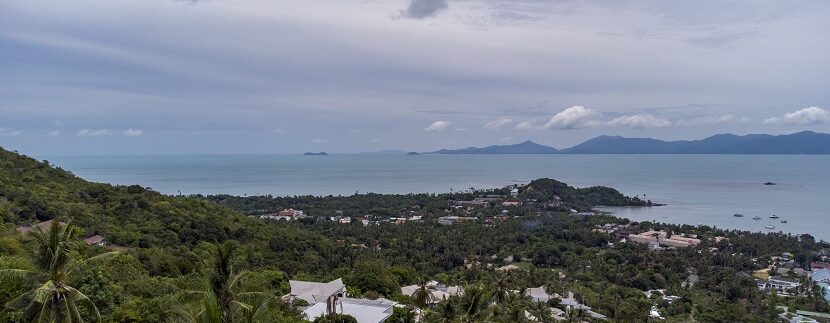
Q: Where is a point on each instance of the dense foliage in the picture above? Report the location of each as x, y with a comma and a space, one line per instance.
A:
168, 249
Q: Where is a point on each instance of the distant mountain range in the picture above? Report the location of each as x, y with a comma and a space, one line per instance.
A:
806, 142
527, 147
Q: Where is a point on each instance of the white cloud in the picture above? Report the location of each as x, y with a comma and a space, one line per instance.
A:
498, 123
374, 140
711, 120
54, 133
438, 126
93, 133
10, 132
279, 131
640, 121
133, 132
806, 116
57, 123
571, 118
526, 125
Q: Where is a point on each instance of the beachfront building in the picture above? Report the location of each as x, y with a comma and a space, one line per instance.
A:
314, 292
363, 310
662, 238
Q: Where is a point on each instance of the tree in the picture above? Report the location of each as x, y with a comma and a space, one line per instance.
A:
423, 296
223, 301
51, 299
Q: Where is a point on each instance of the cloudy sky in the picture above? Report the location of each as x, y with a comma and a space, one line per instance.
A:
271, 76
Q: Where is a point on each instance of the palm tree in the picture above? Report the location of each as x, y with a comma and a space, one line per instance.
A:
474, 303
423, 296
501, 287
51, 299
221, 301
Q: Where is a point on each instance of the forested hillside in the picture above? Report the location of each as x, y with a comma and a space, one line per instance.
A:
166, 246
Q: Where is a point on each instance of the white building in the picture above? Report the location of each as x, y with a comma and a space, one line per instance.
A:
783, 284
363, 310
313, 292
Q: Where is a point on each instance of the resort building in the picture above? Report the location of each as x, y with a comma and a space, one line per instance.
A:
438, 291
313, 292
363, 310
783, 284
662, 238
538, 294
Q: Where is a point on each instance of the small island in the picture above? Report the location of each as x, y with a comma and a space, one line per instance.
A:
413, 153
322, 153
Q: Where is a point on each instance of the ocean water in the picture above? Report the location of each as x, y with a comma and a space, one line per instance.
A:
699, 189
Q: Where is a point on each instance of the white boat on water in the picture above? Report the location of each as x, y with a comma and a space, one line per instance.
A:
770, 227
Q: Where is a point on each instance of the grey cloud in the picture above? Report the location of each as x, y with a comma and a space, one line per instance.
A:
419, 9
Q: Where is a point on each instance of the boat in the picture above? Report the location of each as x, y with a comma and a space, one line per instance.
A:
783, 221
738, 215
770, 183
770, 227
756, 217
773, 216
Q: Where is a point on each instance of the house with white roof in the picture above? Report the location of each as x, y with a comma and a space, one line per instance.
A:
363, 310
439, 291
314, 292
538, 294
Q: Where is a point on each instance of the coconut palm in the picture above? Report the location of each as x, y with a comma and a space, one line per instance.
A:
51, 298
222, 301
423, 296
474, 303
501, 287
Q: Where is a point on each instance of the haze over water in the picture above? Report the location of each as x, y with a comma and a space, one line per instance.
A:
699, 189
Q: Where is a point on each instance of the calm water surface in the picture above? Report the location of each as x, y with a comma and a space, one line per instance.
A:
705, 189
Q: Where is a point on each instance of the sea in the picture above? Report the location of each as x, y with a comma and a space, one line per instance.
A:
697, 189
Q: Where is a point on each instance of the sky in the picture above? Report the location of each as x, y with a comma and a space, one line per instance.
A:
271, 76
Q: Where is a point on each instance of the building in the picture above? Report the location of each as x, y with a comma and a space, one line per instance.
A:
538, 294
363, 310
447, 220
96, 240
662, 238
514, 192
819, 265
290, 213
439, 291
821, 276
783, 284
511, 203
314, 292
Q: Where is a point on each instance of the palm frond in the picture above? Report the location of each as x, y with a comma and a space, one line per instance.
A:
7, 276
75, 296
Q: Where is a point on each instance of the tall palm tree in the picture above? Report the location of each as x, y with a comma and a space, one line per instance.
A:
501, 287
51, 299
222, 301
474, 303
423, 296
